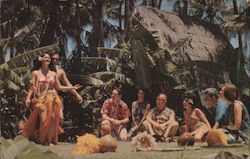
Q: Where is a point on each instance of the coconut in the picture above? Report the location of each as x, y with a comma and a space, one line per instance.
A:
108, 143
216, 137
185, 139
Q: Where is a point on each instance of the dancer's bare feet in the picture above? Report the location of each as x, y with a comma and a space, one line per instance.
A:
51, 144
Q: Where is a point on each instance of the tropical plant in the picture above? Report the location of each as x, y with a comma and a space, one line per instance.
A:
22, 148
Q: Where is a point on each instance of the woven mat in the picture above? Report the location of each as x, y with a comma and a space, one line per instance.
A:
164, 148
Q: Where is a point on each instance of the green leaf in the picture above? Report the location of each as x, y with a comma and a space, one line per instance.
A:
148, 38
25, 58
99, 60
12, 85
142, 64
114, 52
170, 67
6, 143
22, 148
107, 75
85, 79
21, 70
86, 103
8, 75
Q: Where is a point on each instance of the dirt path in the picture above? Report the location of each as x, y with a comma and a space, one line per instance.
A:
124, 151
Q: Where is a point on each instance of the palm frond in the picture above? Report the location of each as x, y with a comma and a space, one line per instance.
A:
3, 42
19, 36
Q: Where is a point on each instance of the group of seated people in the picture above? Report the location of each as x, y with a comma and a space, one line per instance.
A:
222, 110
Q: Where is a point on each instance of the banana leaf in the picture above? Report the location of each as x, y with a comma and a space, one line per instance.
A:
107, 76
7, 74
99, 60
25, 58
21, 70
85, 80
114, 52
148, 38
12, 85
142, 64
22, 148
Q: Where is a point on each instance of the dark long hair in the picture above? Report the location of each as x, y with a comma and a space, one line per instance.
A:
38, 64
231, 92
194, 97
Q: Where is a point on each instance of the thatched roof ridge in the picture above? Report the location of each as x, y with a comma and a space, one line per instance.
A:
207, 41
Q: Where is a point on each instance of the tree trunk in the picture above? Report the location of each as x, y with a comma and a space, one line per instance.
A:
62, 52
238, 67
11, 44
120, 17
52, 26
159, 5
178, 7
185, 9
2, 58
235, 7
77, 52
127, 19
11, 51
98, 31
153, 3
78, 37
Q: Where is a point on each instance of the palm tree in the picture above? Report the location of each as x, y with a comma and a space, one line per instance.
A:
97, 39
127, 21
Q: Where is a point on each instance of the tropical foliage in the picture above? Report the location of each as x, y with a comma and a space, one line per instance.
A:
102, 45
20, 147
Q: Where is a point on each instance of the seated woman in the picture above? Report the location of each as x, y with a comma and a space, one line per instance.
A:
195, 120
43, 125
236, 123
139, 111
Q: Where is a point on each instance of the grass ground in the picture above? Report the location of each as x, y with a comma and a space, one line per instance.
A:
124, 151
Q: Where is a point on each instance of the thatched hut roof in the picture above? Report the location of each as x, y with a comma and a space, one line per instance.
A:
207, 42
206, 47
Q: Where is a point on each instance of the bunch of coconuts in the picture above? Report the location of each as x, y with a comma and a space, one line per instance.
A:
214, 138
108, 143
185, 139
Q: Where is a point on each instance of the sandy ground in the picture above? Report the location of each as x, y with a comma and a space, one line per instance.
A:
125, 151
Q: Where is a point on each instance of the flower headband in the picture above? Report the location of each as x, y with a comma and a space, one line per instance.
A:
40, 58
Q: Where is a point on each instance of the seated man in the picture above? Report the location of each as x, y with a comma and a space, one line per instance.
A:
115, 111
217, 106
160, 121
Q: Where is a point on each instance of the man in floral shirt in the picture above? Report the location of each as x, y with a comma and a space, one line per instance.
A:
116, 112
160, 121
